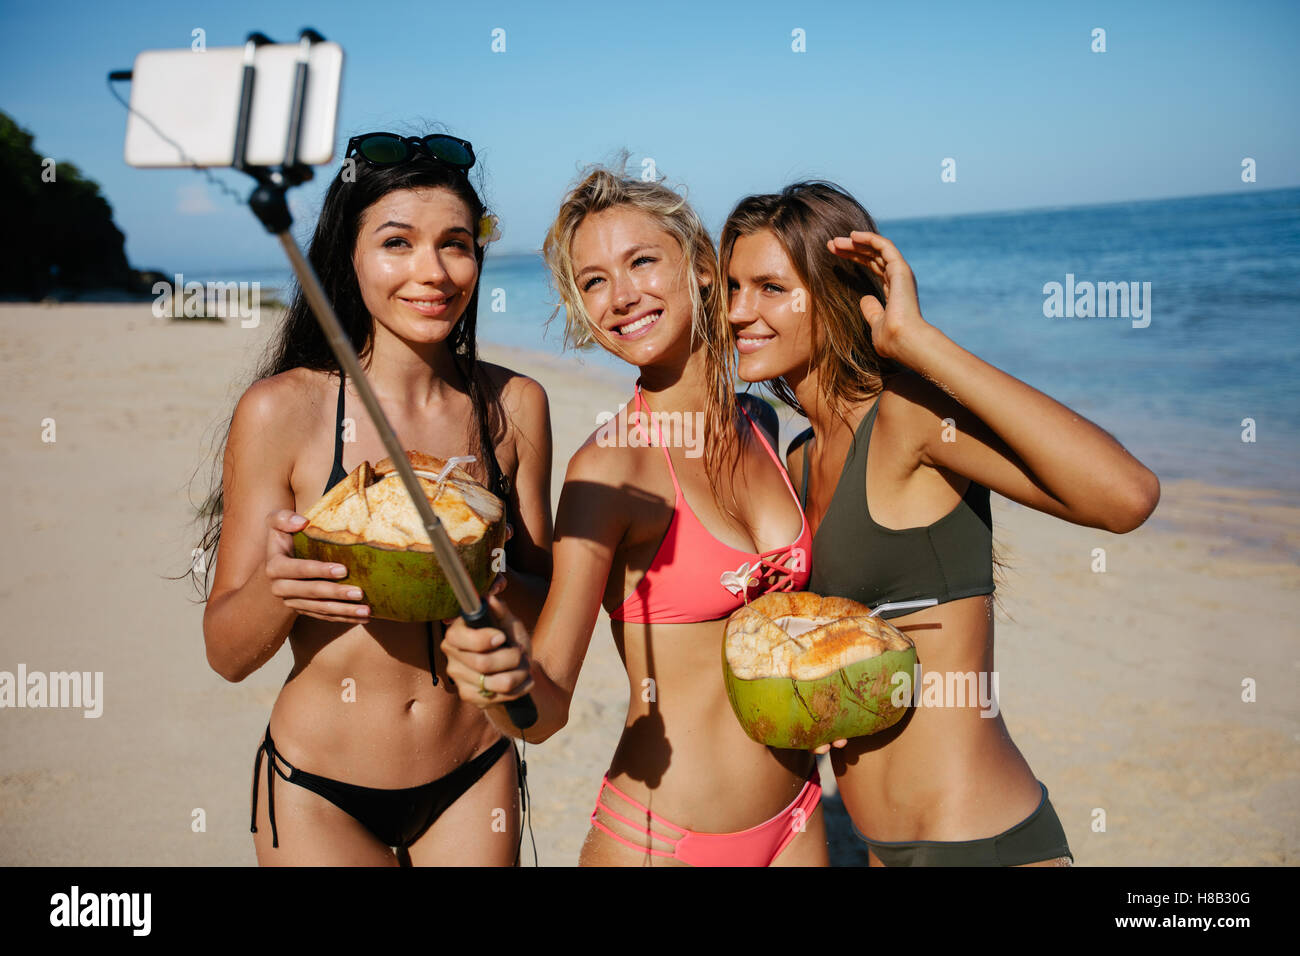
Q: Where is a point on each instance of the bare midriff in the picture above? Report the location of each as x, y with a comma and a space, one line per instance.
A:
683, 753
360, 707
946, 773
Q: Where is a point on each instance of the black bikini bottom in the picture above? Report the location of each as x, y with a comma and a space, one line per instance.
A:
396, 817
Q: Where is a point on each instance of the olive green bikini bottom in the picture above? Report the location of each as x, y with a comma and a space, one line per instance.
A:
1034, 839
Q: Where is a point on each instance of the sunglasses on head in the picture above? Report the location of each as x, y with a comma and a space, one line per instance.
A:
390, 149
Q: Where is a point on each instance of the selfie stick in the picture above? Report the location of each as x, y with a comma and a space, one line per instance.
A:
269, 205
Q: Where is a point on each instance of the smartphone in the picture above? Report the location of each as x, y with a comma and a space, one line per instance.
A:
193, 97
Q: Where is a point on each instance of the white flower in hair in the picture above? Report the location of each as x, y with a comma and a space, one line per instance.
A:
488, 230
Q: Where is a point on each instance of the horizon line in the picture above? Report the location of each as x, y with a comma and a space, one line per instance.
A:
907, 219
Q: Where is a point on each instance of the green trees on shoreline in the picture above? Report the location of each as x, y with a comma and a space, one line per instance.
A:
60, 234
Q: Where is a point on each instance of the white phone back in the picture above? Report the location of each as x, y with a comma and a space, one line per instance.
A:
193, 97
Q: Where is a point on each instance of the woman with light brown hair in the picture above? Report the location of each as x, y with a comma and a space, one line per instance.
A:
824, 311
670, 542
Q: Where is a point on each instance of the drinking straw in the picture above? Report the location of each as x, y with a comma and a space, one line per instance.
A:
901, 605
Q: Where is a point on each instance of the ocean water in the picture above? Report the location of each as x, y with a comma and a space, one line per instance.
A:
1222, 344
1223, 341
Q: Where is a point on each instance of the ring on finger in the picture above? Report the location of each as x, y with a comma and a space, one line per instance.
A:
482, 689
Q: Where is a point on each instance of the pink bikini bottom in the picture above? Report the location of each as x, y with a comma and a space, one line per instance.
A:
757, 846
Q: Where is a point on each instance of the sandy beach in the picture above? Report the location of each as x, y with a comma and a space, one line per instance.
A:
1124, 689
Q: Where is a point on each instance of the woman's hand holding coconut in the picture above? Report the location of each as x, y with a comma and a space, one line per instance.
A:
826, 748
308, 587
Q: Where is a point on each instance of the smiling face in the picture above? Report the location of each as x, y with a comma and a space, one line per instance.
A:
415, 262
768, 308
634, 285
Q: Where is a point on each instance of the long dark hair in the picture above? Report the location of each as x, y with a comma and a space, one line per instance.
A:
300, 342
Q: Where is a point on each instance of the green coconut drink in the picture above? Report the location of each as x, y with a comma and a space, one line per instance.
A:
368, 524
803, 670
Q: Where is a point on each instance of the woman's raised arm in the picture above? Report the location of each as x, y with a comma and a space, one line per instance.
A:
1019, 442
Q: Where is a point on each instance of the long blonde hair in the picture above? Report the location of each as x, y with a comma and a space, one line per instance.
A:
602, 188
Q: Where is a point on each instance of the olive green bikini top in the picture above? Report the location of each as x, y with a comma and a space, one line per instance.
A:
856, 558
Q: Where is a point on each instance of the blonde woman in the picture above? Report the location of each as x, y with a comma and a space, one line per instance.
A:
670, 543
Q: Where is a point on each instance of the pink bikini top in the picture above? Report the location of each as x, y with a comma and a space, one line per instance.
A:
695, 577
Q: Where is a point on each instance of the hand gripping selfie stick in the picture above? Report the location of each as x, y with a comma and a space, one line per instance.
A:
269, 205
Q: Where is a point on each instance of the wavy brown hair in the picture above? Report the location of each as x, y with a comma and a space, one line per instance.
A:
802, 217
602, 188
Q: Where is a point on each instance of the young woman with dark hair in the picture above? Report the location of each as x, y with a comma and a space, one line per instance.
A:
379, 752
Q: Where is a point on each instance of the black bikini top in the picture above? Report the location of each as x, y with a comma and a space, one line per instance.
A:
856, 558
338, 474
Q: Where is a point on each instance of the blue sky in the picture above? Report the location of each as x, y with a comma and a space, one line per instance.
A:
715, 95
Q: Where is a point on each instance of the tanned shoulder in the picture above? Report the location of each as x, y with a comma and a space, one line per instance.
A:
523, 399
